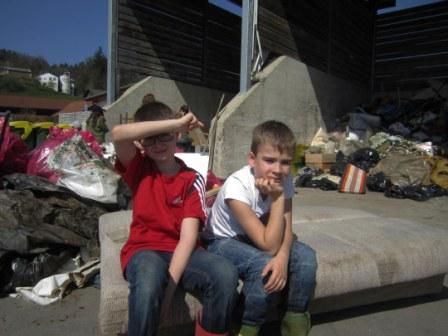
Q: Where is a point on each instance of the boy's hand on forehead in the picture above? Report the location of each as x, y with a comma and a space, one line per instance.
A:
269, 187
189, 122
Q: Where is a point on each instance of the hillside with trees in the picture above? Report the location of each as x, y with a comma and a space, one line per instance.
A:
90, 74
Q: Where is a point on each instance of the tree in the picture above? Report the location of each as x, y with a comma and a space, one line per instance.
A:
90, 74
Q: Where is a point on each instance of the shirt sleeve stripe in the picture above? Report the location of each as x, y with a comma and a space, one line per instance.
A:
199, 185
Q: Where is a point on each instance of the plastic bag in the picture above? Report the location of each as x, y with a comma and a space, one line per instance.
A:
67, 160
364, 158
70, 132
28, 270
13, 150
416, 193
378, 182
309, 178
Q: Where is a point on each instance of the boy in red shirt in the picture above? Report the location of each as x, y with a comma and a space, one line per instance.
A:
168, 211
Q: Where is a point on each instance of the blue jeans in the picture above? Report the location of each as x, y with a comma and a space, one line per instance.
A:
209, 277
250, 262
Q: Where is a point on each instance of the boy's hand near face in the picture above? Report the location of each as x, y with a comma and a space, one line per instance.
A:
269, 187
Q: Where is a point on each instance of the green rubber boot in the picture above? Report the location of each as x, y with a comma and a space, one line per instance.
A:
296, 324
248, 330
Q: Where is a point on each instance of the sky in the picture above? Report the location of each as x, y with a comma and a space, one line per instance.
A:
69, 31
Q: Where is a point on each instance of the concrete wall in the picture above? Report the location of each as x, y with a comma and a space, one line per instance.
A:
202, 101
290, 91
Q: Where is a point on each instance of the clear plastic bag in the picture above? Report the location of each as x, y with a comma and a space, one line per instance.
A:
67, 160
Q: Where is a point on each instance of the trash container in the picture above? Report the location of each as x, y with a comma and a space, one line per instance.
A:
41, 130
24, 129
64, 125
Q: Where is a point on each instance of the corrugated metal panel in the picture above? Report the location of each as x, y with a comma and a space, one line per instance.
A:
411, 47
189, 41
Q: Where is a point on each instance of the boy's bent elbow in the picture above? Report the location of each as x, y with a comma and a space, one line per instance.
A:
117, 133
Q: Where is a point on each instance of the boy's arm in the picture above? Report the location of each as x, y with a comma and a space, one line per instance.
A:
187, 242
278, 266
123, 136
267, 237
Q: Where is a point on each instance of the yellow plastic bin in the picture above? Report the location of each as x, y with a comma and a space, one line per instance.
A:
24, 129
41, 130
64, 126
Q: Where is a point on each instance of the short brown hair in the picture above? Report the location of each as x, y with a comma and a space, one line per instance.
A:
154, 111
148, 98
275, 133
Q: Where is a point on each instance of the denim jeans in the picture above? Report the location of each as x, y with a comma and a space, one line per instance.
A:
250, 262
209, 277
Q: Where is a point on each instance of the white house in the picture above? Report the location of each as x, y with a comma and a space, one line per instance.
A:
50, 80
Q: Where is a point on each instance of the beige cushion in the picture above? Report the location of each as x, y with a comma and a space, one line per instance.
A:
113, 314
356, 252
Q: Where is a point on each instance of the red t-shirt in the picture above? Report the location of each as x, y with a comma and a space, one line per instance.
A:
160, 203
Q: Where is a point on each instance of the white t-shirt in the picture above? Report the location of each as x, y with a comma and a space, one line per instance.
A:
239, 186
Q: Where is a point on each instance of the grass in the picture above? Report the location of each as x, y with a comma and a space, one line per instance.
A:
14, 86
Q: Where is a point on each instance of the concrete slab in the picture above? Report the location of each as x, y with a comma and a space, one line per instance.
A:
76, 315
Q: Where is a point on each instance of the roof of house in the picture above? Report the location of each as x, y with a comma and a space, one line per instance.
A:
8, 68
33, 102
76, 106
47, 73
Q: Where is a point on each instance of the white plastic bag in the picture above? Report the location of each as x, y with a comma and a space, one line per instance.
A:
82, 171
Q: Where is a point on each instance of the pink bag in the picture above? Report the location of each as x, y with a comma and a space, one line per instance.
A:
13, 151
37, 163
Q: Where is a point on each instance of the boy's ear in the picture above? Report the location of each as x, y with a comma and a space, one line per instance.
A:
251, 159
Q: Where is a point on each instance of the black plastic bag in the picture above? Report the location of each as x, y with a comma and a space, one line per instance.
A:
5, 270
417, 193
378, 182
307, 181
364, 158
305, 174
338, 167
27, 270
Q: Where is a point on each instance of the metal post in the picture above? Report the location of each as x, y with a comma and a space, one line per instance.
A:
247, 33
112, 52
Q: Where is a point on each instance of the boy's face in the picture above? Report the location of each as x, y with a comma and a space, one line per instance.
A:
160, 147
269, 163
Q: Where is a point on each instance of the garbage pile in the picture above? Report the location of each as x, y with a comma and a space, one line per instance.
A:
50, 200
401, 148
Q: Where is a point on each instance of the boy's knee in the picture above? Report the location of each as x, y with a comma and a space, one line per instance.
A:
303, 260
225, 274
258, 264
303, 254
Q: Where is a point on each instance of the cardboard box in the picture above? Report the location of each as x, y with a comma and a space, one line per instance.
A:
321, 160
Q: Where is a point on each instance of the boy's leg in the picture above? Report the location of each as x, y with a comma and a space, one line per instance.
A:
214, 280
301, 284
301, 277
147, 274
250, 262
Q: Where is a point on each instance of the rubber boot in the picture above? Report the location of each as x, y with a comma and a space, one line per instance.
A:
199, 331
248, 330
296, 324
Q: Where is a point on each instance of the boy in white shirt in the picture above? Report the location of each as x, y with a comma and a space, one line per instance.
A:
251, 225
